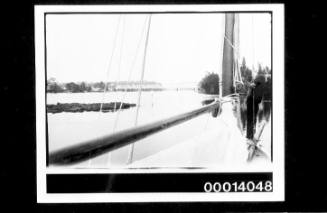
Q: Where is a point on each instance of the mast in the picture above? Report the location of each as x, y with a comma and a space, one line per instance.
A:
228, 55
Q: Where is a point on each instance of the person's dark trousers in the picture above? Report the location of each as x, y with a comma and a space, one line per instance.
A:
249, 115
252, 105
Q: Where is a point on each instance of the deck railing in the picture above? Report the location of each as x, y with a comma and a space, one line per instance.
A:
95, 147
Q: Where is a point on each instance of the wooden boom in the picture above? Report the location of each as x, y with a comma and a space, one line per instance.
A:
92, 148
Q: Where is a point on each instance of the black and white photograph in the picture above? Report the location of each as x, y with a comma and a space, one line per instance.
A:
190, 97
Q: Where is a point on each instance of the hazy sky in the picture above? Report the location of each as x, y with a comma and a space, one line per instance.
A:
181, 47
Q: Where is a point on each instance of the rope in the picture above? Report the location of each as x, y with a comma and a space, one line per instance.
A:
237, 74
230, 43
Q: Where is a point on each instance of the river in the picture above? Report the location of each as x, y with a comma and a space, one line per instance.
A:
66, 129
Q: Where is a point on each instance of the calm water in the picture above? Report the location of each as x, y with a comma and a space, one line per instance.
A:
70, 128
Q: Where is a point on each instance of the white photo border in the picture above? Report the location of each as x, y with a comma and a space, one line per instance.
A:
277, 168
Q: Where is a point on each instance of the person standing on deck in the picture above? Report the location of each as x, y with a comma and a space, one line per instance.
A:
254, 97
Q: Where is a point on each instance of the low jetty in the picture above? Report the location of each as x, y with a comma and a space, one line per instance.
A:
95, 107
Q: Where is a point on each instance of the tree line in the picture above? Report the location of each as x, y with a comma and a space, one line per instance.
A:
54, 87
209, 84
73, 87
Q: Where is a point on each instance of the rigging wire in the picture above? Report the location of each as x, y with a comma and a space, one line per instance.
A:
252, 37
253, 52
251, 142
120, 56
108, 69
118, 77
130, 72
110, 61
130, 157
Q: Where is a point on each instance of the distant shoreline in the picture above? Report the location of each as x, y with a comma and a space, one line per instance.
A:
129, 90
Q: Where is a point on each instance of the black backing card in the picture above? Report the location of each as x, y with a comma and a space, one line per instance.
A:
305, 185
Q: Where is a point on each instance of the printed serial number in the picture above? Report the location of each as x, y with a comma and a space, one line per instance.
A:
243, 186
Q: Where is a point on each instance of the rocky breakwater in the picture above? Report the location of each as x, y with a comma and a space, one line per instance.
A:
95, 107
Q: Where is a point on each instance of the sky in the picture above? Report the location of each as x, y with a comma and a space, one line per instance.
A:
181, 47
